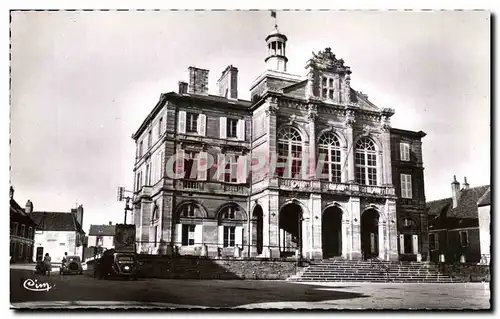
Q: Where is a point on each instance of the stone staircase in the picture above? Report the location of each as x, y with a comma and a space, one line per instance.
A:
374, 270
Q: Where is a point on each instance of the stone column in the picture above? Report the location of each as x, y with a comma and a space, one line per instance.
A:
350, 149
167, 211
386, 155
315, 209
273, 224
271, 127
312, 115
346, 235
354, 206
392, 230
382, 239
264, 202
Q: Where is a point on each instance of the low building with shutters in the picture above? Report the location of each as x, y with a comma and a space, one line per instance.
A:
459, 226
302, 169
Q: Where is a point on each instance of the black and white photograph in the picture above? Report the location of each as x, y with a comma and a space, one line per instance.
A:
250, 159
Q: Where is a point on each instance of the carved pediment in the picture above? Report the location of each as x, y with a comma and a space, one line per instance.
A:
327, 60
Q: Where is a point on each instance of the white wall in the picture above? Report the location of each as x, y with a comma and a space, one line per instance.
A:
107, 241
56, 243
484, 213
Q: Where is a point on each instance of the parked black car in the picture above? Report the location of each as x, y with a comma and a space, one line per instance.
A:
116, 264
73, 265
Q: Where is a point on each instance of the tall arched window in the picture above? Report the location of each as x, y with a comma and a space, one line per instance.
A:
366, 162
231, 224
289, 153
329, 154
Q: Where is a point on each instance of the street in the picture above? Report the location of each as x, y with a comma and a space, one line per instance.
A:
86, 291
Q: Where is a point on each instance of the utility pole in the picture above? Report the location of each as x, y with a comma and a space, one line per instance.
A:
121, 197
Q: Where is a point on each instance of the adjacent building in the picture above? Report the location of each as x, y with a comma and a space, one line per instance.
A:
459, 226
57, 233
22, 231
308, 167
101, 236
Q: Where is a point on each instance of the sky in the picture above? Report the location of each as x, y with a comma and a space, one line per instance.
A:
82, 83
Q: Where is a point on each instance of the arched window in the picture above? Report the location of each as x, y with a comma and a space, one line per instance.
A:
231, 222
189, 225
289, 153
366, 162
329, 154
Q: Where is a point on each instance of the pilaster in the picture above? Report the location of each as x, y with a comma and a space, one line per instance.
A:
316, 251
392, 230
355, 238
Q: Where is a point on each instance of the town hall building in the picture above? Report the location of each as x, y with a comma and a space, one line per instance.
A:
308, 168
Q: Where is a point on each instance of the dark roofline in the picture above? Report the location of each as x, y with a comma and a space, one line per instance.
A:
173, 96
419, 134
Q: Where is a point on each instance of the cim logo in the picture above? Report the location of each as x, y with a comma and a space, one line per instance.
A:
34, 285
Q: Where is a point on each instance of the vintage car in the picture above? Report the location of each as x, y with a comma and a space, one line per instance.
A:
73, 265
116, 264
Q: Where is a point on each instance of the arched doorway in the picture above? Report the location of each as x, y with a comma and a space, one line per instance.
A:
258, 229
331, 232
290, 237
369, 234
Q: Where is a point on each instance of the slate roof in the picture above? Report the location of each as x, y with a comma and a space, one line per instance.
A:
102, 230
17, 214
467, 204
56, 221
485, 200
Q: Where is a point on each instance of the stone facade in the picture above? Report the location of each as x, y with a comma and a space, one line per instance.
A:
303, 170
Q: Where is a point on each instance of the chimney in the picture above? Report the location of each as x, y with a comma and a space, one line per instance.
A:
228, 83
183, 87
29, 207
198, 80
465, 185
11, 193
455, 191
79, 215
110, 223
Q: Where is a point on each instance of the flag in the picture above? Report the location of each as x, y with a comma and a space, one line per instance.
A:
273, 14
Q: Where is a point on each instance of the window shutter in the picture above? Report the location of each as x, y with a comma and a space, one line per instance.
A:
238, 236
415, 244
401, 244
198, 234
409, 186
202, 166
242, 170
221, 167
403, 185
241, 130
179, 163
202, 124
221, 235
178, 234
223, 127
182, 122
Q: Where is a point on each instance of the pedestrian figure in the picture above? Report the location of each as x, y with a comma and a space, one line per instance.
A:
47, 262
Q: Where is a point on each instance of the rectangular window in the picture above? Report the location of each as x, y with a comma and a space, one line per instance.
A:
140, 148
464, 239
189, 164
232, 127
406, 187
160, 127
230, 175
21, 246
229, 236
30, 232
191, 122
148, 174
433, 242
16, 225
188, 235
23, 229
150, 138
404, 151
